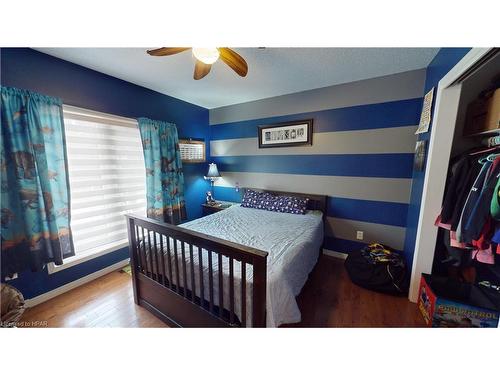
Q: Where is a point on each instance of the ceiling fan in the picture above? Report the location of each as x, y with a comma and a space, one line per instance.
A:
205, 57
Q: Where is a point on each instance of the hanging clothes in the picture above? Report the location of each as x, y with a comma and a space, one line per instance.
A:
495, 202
463, 174
470, 202
474, 220
484, 256
35, 187
496, 237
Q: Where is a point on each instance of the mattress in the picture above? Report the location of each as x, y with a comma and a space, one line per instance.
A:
292, 241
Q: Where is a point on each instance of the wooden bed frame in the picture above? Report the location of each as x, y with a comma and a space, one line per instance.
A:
155, 289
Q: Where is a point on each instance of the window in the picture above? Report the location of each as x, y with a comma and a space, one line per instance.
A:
107, 180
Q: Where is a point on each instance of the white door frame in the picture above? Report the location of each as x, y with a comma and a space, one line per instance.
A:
438, 157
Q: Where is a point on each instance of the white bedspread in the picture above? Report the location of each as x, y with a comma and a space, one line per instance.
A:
292, 241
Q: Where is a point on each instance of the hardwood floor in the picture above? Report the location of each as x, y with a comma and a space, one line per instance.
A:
328, 299
105, 302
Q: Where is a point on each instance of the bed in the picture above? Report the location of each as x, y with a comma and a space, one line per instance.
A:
240, 267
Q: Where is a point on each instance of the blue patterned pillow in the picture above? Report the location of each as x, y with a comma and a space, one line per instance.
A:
288, 204
255, 199
277, 203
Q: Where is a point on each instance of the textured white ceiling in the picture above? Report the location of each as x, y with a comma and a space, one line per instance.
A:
272, 71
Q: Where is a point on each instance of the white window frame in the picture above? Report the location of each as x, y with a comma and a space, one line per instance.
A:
86, 114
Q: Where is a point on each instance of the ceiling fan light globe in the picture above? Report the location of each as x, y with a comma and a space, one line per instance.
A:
206, 55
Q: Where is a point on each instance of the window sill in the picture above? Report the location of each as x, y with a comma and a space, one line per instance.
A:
94, 253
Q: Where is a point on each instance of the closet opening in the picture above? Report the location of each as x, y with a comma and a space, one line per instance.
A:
469, 223
457, 222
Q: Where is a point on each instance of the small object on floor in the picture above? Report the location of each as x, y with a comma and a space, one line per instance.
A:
488, 284
448, 303
12, 305
127, 270
379, 268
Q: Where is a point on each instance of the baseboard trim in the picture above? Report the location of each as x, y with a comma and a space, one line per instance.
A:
72, 285
335, 254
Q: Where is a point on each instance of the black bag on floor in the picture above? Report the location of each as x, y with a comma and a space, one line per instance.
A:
378, 267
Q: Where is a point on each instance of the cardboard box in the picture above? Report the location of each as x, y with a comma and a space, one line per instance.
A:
483, 114
448, 303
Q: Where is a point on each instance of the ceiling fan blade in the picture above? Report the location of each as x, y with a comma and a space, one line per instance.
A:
201, 70
167, 51
234, 61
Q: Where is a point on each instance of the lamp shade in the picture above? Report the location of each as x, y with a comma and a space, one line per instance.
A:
212, 171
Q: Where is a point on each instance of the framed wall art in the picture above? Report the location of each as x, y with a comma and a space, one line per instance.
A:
286, 134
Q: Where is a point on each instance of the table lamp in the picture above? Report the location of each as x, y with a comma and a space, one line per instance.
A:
212, 174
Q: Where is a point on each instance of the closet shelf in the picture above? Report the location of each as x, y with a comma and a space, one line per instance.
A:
486, 133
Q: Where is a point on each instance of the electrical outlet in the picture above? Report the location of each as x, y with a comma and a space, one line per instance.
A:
360, 234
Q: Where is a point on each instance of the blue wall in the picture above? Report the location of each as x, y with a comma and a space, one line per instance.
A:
86, 88
361, 157
444, 61
368, 175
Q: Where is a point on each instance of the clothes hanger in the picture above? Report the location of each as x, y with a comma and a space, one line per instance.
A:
492, 157
489, 158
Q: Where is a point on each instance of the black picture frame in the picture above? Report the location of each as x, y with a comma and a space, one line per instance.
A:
284, 140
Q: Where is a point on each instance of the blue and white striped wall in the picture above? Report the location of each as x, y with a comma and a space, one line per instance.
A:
361, 157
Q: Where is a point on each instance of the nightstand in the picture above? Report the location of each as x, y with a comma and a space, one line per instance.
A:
221, 205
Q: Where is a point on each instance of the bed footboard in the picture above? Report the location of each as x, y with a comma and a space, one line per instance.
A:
171, 277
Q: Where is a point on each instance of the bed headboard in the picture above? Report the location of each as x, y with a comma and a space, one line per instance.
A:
316, 201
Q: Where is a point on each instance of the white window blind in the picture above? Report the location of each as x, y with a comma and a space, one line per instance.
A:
106, 176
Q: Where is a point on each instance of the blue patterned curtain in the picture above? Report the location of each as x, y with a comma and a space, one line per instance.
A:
34, 186
164, 176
